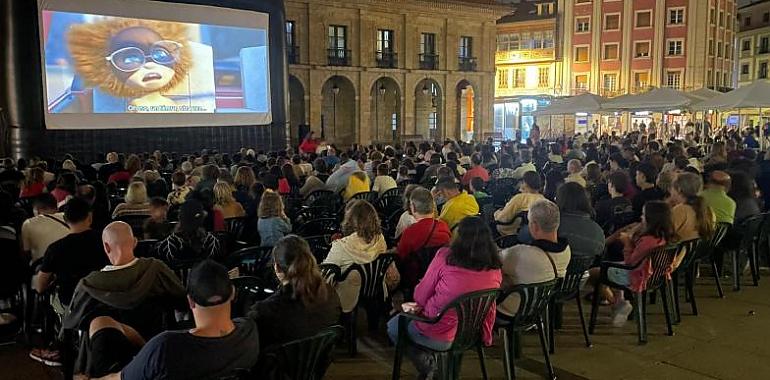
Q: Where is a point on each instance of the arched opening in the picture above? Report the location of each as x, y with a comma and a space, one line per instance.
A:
466, 108
385, 119
428, 120
338, 116
297, 110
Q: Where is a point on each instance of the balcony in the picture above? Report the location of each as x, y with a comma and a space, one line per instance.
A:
338, 56
428, 61
386, 59
467, 63
293, 52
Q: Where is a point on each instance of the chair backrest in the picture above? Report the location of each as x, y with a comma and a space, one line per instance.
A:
750, 230
317, 194
369, 196
372, 275
236, 226
136, 222
302, 359
568, 286
330, 272
320, 226
248, 291
471, 309
661, 259
394, 192
254, 261
306, 214
507, 241
533, 299
182, 268
388, 204
690, 249
319, 246
324, 198
503, 190
145, 248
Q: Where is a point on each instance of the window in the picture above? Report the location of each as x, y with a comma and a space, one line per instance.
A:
728, 52
641, 80
581, 82
581, 54
519, 78
724, 80
544, 9
466, 47
642, 49
385, 41
721, 18
744, 69
291, 36
548, 39
719, 49
709, 79
582, 1
673, 79
762, 74
502, 78
712, 16
766, 17
675, 47
676, 16
747, 21
644, 19
612, 22
746, 45
609, 82
543, 77
764, 45
711, 47
537, 40
582, 24
610, 51
719, 79
428, 44
337, 37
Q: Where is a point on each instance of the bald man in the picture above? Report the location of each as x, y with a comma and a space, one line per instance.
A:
134, 291
715, 195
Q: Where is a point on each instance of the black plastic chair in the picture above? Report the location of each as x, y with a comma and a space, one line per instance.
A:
330, 272
136, 222
307, 214
236, 227
507, 241
182, 268
369, 196
533, 303
371, 294
715, 257
661, 259
256, 261
314, 196
749, 230
302, 359
320, 226
502, 190
248, 291
568, 288
388, 204
518, 220
394, 192
319, 246
145, 248
688, 268
471, 310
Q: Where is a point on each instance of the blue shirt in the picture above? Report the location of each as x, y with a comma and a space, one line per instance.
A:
272, 229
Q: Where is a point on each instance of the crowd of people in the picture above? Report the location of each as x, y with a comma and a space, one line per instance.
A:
75, 226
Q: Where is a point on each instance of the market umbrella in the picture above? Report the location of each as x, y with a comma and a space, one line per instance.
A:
754, 95
659, 99
588, 103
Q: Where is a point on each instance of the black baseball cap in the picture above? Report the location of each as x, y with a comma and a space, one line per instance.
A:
209, 284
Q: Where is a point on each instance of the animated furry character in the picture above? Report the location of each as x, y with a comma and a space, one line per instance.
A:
128, 58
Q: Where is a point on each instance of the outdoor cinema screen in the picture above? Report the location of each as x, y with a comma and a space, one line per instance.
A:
139, 63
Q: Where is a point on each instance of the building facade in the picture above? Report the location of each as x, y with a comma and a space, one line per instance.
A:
528, 64
614, 47
364, 71
753, 46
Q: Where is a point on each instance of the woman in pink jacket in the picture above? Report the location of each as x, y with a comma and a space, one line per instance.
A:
470, 263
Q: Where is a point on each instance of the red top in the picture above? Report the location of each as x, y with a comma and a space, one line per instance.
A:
308, 146
121, 176
219, 221
283, 186
32, 190
476, 171
632, 254
441, 285
415, 236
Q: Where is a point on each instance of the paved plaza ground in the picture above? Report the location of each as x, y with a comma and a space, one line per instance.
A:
730, 339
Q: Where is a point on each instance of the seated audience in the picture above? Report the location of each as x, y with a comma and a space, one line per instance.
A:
361, 244
406, 219
545, 259
469, 264
575, 170
34, 183
358, 182
691, 216
715, 196
120, 352
607, 210
189, 240
136, 202
476, 188
157, 226
529, 188
742, 191
47, 226
646, 174
226, 203
458, 204
179, 189
476, 171
273, 223
383, 182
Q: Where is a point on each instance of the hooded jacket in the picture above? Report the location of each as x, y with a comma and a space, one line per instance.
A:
350, 250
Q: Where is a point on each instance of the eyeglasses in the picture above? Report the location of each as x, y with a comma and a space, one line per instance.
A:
129, 59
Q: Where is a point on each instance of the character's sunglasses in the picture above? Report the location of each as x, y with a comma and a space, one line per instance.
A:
130, 59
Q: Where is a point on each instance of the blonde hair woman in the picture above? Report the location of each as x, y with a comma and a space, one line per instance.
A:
225, 202
273, 223
136, 202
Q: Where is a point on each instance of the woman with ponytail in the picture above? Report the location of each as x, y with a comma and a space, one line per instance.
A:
303, 305
692, 218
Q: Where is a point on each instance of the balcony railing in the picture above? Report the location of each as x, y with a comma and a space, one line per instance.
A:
428, 61
467, 63
293, 52
338, 57
386, 59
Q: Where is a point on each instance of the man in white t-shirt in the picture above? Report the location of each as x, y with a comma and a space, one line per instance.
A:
46, 227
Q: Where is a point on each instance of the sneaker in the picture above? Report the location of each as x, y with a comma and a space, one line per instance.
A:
621, 313
48, 357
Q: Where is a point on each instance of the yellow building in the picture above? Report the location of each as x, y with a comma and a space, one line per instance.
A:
753, 41
365, 71
528, 69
